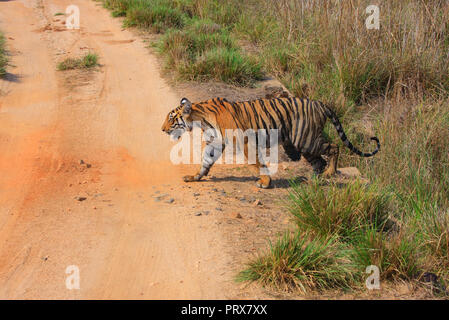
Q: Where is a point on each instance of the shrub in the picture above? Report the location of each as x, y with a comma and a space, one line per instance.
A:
296, 262
396, 255
155, 15
227, 65
406, 57
118, 7
338, 210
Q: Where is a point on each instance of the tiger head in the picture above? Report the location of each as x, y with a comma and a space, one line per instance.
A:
178, 120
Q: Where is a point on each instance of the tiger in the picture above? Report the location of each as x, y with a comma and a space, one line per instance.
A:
299, 121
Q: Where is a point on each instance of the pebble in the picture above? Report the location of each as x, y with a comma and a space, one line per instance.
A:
206, 212
80, 198
88, 165
171, 200
160, 197
235, 215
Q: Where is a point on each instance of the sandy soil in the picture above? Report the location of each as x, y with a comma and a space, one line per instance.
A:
125, 244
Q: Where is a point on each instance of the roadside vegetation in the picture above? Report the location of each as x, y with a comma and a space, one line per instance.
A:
89, 60
392, 83
197, 40
3, 58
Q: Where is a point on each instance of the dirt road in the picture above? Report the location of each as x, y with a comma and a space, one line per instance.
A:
125, 243
86, 181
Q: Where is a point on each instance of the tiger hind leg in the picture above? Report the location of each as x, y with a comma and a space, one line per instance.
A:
291, 151
314, 157
317, 162
264, 180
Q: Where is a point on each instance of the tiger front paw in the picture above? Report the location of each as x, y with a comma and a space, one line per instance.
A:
264, 182
328, 173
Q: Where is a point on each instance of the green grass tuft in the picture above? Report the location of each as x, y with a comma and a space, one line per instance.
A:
224, 64
204, 51
90, 60
198, 43
338, 210
297, 262
396, 255
366, 229
153, 15
3, 58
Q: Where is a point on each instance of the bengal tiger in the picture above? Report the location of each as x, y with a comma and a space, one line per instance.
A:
300, 124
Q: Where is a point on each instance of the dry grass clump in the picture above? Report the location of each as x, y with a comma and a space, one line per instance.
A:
89, 60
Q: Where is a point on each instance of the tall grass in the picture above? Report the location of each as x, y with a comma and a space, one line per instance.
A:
414, 151
396, 255
3, 59
338, 210
197, 41
204, 51
154, 15
325, 52
366, 227
322, 49
414, 162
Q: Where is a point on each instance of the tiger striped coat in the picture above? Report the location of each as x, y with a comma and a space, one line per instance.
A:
299, 122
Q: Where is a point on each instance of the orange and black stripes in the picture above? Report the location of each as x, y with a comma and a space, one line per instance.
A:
300, 121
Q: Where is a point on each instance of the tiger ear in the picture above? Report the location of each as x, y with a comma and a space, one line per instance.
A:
187, 106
